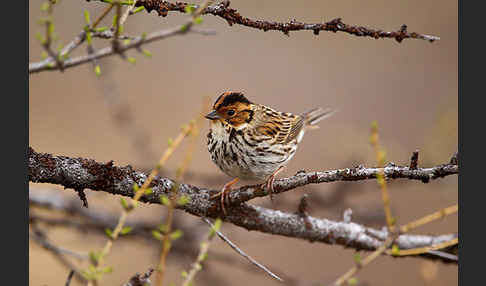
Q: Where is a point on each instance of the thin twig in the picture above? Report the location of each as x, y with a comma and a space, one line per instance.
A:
126, 209
429, 218
194, 127
69, 278
242, 253
203, 253
426, 249
367, 260
127, 12
380, 158
444, 255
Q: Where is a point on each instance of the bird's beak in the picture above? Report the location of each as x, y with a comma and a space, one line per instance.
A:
213, 115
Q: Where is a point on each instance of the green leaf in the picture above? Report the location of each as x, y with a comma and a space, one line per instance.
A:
45, 6
86, 17
184, 28
148, 191
357, 258
183, 200
374, 125
184, 274
135, 187
115, 19
131, 60
44, 55
167, 244
126, 230
164, 200
204, 256
170, 141
163, 228
89, 38
147, 53
176, 234
126, 41
97, 70
189, 9
100, 29
107, 269
50, 29
124, 203
395, 250
198, 20
215, 228
352, 281
138, 9
40, 38
109, 233
157, 235
120, 29
94, 256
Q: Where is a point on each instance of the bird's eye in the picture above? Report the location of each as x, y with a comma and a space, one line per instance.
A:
231, 112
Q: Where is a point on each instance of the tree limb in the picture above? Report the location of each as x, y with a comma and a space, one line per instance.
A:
232, 16
81, 173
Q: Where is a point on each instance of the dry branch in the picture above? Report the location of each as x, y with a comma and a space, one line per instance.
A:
221, 10
232, 16
84, 173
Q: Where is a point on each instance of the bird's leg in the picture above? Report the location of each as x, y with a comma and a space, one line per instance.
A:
271, 179
224, 193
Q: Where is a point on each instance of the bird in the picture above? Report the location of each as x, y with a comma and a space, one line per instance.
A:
251, 141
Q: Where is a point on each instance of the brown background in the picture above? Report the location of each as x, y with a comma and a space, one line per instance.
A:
410, 89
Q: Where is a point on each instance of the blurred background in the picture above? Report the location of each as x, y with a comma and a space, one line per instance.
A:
129, 112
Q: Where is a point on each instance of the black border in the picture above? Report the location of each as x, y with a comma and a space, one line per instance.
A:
14, 95
471, 118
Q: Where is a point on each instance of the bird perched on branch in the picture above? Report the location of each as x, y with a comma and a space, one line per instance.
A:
252, 141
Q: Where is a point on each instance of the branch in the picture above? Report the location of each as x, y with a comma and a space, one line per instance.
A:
232, 16
359, 173
108, 51
81, 173
241, 252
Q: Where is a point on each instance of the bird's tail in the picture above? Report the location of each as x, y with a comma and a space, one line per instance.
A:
315, 115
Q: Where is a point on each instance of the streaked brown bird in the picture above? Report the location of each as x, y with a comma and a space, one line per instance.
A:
252, 141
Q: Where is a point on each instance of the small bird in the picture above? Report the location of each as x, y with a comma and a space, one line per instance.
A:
252, 141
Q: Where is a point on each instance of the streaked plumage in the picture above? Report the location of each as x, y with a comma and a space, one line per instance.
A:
252, 141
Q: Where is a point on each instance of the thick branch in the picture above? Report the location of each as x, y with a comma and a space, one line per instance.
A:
81, 173
232, 16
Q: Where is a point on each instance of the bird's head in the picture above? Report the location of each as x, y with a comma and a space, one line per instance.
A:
232, 108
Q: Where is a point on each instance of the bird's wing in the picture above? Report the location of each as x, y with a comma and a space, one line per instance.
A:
281, 126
